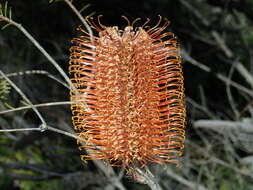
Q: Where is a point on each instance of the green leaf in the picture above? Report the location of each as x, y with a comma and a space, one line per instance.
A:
54, 1
1, 9
91, 14
8, 105
5, 8
85, 7
4, 89
10, 14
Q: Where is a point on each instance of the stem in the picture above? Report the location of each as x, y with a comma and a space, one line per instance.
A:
25, 98
39, 47
147, 177
81, 18
36, 105
18, 130
38, 72
48, 128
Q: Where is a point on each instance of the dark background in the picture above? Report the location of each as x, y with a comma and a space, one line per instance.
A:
34, 160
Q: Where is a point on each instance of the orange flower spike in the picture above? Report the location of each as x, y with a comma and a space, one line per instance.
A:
130, 87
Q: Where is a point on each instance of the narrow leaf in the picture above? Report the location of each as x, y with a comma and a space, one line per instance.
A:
91, 14
8, 106
85, 7
1, 9
5, 8
5, 26
10, 14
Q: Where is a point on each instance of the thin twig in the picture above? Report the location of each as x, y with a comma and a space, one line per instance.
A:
81, 18
195, 12
223, 125
26, 99
211, 159
184, 181
222, 44
40, 48
229, 94
43, 51
188, 58
147, 177
218, 39
39, 72
19, 130
48, 128
202, 96
65, 133
37, 105
245, 73
198, 106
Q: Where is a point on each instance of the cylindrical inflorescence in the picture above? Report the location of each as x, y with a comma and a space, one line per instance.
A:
129, 95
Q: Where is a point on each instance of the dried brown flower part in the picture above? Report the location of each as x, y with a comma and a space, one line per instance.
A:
129, 95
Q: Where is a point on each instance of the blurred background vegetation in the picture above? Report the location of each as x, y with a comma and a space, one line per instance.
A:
216, 38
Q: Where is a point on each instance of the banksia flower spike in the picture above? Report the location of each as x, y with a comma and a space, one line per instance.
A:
129, 95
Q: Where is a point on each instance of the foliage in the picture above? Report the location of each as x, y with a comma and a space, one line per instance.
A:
4, 89
42, 185
6, 12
